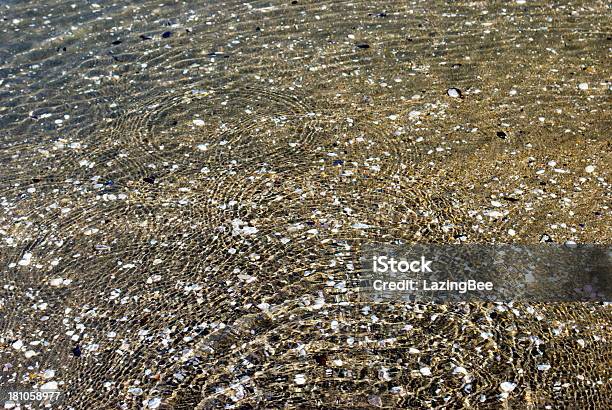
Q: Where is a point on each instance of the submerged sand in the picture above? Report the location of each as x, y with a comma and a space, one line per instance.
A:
185, 189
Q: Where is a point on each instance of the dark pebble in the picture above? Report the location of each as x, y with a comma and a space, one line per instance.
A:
149, 180
145, 37
501, 135
321, 359
338, 162
116, 42
363, 45
257, 29
294, 2
76, 351
166, 34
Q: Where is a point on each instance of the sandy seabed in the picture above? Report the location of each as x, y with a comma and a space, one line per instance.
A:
185, 189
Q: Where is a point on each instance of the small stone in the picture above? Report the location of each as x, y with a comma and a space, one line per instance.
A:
198, 123
589, 169
511, 232
166, 34
545, 238
25, 259
583, 86
375, 401
300, 379
507, 387
501, 134
495, 214
425, 371
249, 230
17, 345
454, 92
136, 391
154, 403
49, 386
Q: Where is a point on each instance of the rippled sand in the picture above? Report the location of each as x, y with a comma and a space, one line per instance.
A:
185, 190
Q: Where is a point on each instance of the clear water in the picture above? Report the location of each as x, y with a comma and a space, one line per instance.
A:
182, 213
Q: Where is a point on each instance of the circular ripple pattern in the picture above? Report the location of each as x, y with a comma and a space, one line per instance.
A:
186, 188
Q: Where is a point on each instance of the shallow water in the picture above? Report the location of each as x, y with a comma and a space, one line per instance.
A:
185, 189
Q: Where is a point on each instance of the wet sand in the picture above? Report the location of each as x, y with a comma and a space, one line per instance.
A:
185, 189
